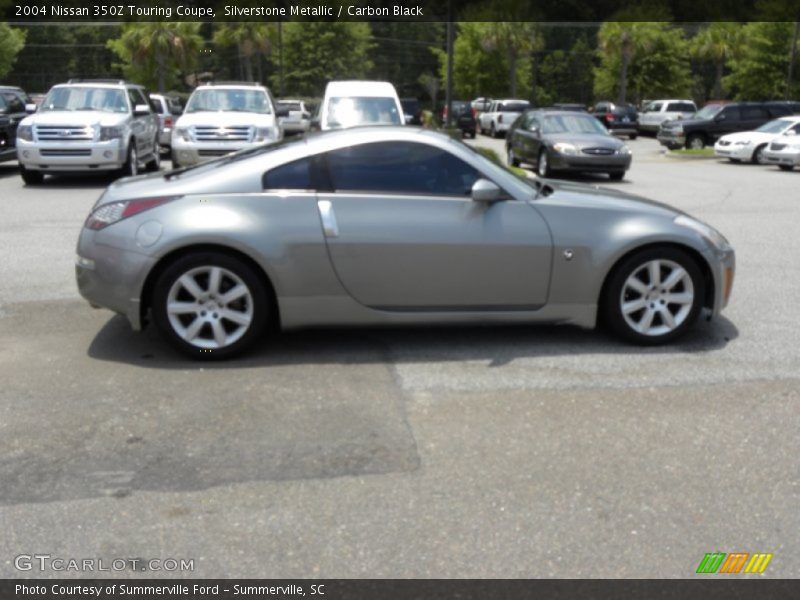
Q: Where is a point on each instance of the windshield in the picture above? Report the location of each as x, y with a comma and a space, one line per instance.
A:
708, 112
349, 112
86, 98
775, 126
573, 124
209, 100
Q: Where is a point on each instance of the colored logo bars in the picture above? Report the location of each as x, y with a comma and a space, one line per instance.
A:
719, 562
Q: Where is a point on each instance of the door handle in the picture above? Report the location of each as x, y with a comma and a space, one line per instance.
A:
329, 225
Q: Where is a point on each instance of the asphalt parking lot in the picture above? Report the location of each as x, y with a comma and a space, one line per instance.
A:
453, 452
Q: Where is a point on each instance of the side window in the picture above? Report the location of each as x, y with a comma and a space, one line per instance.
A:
731, 113
682, 107
400, 167
656, 107
796, 129
133, 99
297, 175
754, 113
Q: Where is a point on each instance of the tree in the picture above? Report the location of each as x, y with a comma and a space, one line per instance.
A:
11, 42
253, 39
515, 40
155, 53
316, 52
718, 43
431, 84
760, 71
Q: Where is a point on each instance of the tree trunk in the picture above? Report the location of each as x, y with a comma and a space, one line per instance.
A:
792, 55
718, 80
160, 78
534, 76
512, 73
623, 77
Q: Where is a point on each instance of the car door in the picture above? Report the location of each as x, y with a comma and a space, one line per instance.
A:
15, 111
404, 234
530, 134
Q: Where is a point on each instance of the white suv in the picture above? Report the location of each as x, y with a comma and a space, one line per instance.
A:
659, 111
89, 125
222, 118
354, 103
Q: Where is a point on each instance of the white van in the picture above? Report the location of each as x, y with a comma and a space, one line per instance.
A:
353, 103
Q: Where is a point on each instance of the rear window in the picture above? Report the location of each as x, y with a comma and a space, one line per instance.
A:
352, 111
512, 107
158, 103
410, 106
681, 107
461, 107
290, 105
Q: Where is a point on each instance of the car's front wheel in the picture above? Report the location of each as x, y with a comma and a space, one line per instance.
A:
616, 175
653, 296
31, 177
154, 164
786, 167
210, 305
543, 165
511, 157
758, 155
131, 166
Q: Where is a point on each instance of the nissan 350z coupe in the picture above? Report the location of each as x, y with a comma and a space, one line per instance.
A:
389, 226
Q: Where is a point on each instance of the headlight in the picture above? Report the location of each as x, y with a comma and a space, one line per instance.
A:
567, 149
264, 134
25, 132
183, 133
111, 133
711, 235
624, 150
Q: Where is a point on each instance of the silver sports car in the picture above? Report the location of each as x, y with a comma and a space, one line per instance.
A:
389, 226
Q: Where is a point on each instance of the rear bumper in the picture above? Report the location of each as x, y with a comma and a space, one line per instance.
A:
624, 129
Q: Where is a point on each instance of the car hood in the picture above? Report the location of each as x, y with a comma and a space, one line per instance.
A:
606, 198
80, 118
584, 140
748, 136
225, 118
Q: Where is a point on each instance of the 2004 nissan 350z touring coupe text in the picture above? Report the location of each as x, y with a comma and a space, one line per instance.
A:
389, 226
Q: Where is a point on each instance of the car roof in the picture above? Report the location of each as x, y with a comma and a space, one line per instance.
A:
230, 86
671, 100
102, 84
361, 88
512, 100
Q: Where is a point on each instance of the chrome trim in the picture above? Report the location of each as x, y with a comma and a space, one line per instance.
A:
329, 225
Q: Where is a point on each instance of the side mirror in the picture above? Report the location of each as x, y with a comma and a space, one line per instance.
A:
281, 111
141, 110
484, 190
534, 130
790, 132
30, 108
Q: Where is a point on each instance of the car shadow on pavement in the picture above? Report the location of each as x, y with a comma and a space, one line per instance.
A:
498, 344
9, 170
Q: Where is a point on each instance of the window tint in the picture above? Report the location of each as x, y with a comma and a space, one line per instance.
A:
158, 105
296, 175
655, 107
400, 167
680, 107
731, 113
754, 113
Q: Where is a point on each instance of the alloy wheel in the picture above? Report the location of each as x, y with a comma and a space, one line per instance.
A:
657, 297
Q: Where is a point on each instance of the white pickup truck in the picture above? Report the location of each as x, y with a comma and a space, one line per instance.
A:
501, 114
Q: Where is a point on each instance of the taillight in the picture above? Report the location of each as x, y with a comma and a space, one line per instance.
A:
609, 116
474, 113
108, 214
167, 121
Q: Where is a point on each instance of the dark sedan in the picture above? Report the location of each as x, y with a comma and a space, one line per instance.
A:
619, 119
566, 141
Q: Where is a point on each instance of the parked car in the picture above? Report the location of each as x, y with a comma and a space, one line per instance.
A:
619, 119
558, 140
168, 110
784, 150
352, 103
751, 145
501, 114
13, 103
298, 119
463, 117
388, 226
658, 111
481, 104
89, 126
715, 120
221, 118
412, 111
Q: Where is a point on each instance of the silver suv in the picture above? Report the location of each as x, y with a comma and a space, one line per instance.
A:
89, 125
221, 118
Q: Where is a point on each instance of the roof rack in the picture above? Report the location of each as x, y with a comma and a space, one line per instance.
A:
82, 80
249, 83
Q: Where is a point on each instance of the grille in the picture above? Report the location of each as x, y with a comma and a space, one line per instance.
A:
598, 151
64, 133
775, 146
724, 143
65, 152
214, 152
212, 133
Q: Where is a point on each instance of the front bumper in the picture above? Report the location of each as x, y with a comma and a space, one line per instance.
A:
190, 153
788, 157
671, 139
58, 156
111, 277
723, 269
737, 152
602, 163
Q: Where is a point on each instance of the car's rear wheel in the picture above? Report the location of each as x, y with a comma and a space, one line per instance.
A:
210, 305
616, 175
511, 157
653, 296
758, 155
543, 165
696, 141
31, 177
633, 136
786, 167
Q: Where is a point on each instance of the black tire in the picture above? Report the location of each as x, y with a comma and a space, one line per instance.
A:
696, 141
131, 166
543, 170
492, 131
633, 136
734, 160
758, 155
31, 177
154, 164
612, 297
511, 157
785, 167
257, 303
616, 175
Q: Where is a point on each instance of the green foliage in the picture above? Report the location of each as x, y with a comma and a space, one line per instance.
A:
157, 53
647, 58
716, 45
317, 52
759, 72
11, 42
567, 76
402, 51
253, 39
